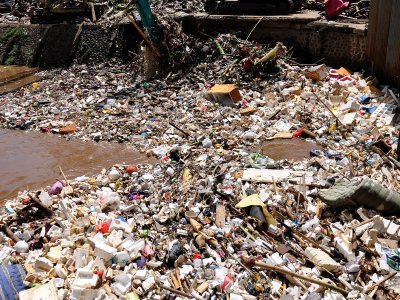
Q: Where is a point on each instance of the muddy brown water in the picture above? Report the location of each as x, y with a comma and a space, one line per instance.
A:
14, 77
292, 149
30, 160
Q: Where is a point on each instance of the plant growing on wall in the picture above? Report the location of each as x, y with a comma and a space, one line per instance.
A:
12, 39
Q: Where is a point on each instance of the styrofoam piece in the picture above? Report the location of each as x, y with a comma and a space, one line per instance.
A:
309, 225
66, 210
81, 293
275, 259
61, 271
351, 106
322, 259
117, 224
235, 297
97, 263
54, 231
275, 286
55, 254
133, 246
45, 199
85, 278
115, 238
43, 264
149, 283
81, 255
58, 282
43, 292
384, 113
283, 125
141, 274
393, 229
348, 118
122, 257
343, 248
122, 284
5, 254
104, 251
265, 175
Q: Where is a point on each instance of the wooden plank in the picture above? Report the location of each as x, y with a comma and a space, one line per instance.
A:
381, 41
372, 26
10, 73
392, 67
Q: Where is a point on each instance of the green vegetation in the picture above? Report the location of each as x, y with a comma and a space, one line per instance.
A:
12, 38
12, 54
13, 33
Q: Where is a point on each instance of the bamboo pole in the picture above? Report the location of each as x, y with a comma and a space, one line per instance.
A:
250, 261
175, 291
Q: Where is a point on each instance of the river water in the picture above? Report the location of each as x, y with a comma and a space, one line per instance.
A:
30, 160
295, 149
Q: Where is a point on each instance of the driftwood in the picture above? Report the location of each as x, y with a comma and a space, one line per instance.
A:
251, 262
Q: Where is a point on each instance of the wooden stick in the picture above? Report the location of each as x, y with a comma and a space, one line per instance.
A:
252, 262
175, 291
178, 279
314, 243
144, 36
373, 292
93, 12
181, 130
362, 223
255, 26
384, 279
275, 188
9, 233
63, 175
351, 168
302, 181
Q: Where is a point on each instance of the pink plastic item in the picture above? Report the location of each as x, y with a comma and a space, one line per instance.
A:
334, 7
346, 80
333, 75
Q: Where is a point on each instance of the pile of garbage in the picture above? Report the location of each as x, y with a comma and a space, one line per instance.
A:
351, 10
214, 218
22, 11
195, 6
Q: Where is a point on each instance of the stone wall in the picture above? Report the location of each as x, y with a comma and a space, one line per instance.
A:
58, 45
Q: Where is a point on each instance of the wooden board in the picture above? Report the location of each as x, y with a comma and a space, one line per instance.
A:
381, 39
17, 82
392, 67
372, 27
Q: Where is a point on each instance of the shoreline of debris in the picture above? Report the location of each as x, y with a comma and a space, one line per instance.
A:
212, 219
27, 13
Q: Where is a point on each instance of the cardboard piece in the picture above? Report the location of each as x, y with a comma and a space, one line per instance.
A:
317, 73
226, 94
